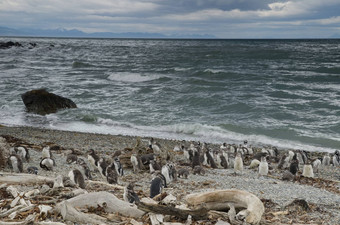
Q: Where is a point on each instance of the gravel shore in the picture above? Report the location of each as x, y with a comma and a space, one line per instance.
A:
276, 194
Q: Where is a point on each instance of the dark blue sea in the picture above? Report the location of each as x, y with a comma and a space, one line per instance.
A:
284, 93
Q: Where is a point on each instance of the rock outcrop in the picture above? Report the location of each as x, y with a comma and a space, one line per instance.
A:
4, 45
43, 102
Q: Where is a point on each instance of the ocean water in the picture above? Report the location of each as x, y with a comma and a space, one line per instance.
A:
284, 93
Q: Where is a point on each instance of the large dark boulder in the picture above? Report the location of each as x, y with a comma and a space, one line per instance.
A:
42, 102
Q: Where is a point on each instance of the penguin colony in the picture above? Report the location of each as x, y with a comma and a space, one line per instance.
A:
195, 158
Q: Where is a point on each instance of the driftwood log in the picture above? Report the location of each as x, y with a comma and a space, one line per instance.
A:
197, 214
24, 178
108, 201
222, 199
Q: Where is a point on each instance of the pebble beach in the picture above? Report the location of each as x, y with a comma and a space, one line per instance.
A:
322, 193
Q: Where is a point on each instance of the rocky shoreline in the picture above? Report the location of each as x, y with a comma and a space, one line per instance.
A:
321, 193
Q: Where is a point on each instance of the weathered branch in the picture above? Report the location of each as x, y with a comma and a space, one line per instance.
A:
23, 178
108, 201
221, 200
199, 214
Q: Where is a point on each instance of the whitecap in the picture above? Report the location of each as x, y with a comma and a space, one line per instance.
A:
132, 77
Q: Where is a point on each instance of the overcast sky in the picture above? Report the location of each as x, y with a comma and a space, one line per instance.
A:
222, 18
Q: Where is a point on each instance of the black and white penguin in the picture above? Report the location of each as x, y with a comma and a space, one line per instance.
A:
263, 167
118, 166
111, 174
93, 158
154, 166
32, 170
211, 160
102, 165
223, 160
166, 173
85, 170
238, 164
336, 158
15, 163
129, 194
47, 163
155, 146
294, 166
23, 153
77, 177
156, 186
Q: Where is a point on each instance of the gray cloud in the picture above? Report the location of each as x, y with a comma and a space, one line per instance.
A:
223, 18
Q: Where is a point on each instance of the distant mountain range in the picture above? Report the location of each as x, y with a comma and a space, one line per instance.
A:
6, 31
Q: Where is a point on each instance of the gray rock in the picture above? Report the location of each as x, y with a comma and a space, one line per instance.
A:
43, 102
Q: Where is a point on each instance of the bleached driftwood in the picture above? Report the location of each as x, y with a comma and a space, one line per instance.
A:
115, 186
107, 200
69, 213
150, 206
221, 199
29, 220
23, 178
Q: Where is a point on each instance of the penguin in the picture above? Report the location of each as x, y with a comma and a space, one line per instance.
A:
263, 167
183, 173
326, 161
307, 170
85, 170
294, 167
160, 175
47, 163
254, 164
196, 159
146, 158
156, 186
71, 158
198, 170
238, 164
32, 170
23, 153
336, 158
111, 174
102, 165
154, 166
210, 159
156, 147
46, 153
77, 177
188, 154
118, 166
15, 163
316, 165
93, 158
166, 173
224, 161
135, 163
129, 194
223, 147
